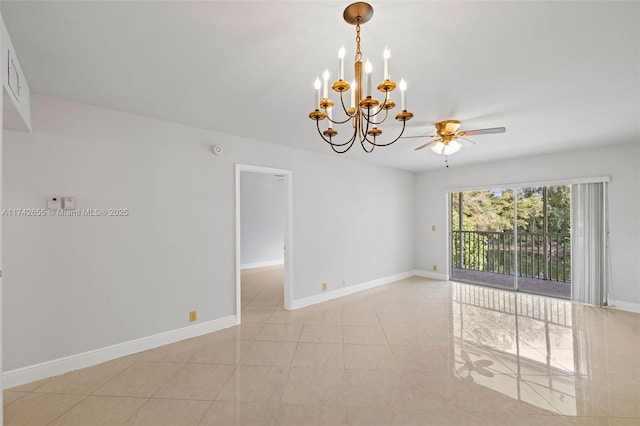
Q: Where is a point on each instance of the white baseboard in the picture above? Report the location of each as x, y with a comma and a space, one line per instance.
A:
345, 291
262, 264
432, 275
55, 367
625, 306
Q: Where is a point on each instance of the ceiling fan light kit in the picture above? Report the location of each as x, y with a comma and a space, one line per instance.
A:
365, 113
448, 143
447, 140
447, 147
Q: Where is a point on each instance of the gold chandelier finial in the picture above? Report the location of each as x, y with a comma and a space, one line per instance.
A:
365, 113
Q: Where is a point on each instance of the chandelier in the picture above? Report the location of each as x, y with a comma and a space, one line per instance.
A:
366, 112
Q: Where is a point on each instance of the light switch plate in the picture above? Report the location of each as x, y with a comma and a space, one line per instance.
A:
69, 203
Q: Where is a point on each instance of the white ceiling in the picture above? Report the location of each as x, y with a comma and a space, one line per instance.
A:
557, 75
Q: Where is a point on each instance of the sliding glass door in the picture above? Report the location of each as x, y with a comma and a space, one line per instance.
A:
482, 237
513, 238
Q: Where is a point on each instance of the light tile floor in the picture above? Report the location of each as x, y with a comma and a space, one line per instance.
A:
416, 352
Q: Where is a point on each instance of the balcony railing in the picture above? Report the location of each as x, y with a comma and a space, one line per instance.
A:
539, 255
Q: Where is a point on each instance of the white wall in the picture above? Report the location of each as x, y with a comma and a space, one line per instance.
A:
356, 223
262, 213
622, 163
73, 284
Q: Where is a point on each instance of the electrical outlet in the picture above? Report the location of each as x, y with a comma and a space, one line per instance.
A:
193, 316
324, 286
435, 267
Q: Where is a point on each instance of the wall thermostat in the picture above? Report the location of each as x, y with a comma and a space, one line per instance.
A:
54, 202
217, 149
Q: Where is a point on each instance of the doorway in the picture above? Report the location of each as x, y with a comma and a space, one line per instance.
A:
268, 248
513, 238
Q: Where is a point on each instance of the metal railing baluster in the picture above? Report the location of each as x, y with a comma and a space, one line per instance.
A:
493, 252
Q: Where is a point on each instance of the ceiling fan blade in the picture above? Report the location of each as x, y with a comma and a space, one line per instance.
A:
423, 136
482, 131
428, 144
466, 141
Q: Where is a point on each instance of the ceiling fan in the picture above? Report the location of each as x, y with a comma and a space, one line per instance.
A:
448, 140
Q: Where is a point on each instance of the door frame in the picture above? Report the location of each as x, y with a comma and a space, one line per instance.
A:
288, 233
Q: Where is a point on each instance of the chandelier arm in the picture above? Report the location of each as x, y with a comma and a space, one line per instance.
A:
344, 108
349, 117
370, 116
350, 143
385, 101
368, 151
404, 124
364, 132
330, 142
372, 143
368, 120
386, 114
340, 122
337, 151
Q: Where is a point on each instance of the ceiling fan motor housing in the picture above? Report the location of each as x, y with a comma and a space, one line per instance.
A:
447, 127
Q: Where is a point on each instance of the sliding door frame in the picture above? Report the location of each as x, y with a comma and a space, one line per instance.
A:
511, 187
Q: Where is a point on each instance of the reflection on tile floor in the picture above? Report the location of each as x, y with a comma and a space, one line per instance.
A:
415, 352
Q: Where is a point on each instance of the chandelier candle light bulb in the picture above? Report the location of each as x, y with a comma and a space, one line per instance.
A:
317, 86
403, 95
366, 112
387, 55
341, 53
325, 84
368, 69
